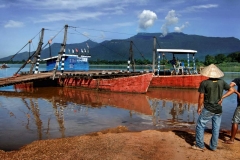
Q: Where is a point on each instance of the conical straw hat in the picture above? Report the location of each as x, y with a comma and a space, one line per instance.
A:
212, 71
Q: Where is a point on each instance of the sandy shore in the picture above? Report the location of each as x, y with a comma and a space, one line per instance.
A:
120, 144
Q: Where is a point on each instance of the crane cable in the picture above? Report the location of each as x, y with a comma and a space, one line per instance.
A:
30, 57
99, 43
140, 52
50, 41
24, 46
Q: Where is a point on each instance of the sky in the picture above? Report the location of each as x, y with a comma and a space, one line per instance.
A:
100, 20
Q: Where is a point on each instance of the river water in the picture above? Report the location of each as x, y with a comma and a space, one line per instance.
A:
46, 113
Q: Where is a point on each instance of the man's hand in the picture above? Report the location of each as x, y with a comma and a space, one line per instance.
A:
220, 102
199, 111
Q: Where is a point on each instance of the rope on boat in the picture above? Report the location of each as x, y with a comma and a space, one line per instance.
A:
24, 46
50, 41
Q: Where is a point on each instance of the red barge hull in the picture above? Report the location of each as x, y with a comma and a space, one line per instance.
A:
177, 81
131, 84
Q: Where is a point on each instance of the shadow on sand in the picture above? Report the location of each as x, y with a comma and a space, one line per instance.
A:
187, 136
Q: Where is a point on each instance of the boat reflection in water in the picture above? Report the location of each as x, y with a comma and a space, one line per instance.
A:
46, 113
173, 107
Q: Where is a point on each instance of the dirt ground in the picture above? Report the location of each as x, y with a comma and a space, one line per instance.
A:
120, 144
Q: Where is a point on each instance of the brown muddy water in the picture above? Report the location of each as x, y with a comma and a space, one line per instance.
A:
47, 113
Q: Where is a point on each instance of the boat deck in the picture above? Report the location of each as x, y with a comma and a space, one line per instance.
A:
25, 77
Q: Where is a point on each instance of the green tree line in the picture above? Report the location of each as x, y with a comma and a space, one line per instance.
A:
209, 59
222, 58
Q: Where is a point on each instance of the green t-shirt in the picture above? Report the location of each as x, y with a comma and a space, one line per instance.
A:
213, 90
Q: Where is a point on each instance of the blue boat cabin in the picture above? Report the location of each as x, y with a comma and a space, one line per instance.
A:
71, 63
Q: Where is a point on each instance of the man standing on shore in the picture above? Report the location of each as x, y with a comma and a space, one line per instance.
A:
210, 93
236, 115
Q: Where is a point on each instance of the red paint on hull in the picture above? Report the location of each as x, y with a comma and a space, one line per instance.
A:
131, 84
177, 81
174, 94
24, 86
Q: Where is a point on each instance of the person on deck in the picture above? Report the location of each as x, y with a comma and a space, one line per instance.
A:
174, 61
236, 115
210, 95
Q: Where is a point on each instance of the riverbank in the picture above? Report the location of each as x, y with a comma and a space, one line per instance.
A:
118, 143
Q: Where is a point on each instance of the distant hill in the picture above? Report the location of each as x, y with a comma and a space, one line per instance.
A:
143, 46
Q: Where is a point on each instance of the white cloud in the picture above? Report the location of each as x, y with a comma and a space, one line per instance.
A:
124, 24
2, 6
73, 4
86, 34
102, 36
200, 7
146, 19
115, 9
170, 19
180, 29
205, 6
60, 4
70, 16
13, 24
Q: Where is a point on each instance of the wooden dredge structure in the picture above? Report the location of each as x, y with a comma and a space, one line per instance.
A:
117, 81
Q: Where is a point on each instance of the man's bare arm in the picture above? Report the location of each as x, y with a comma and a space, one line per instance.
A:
229, 92
200, 102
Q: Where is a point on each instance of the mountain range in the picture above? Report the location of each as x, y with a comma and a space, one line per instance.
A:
118, 49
